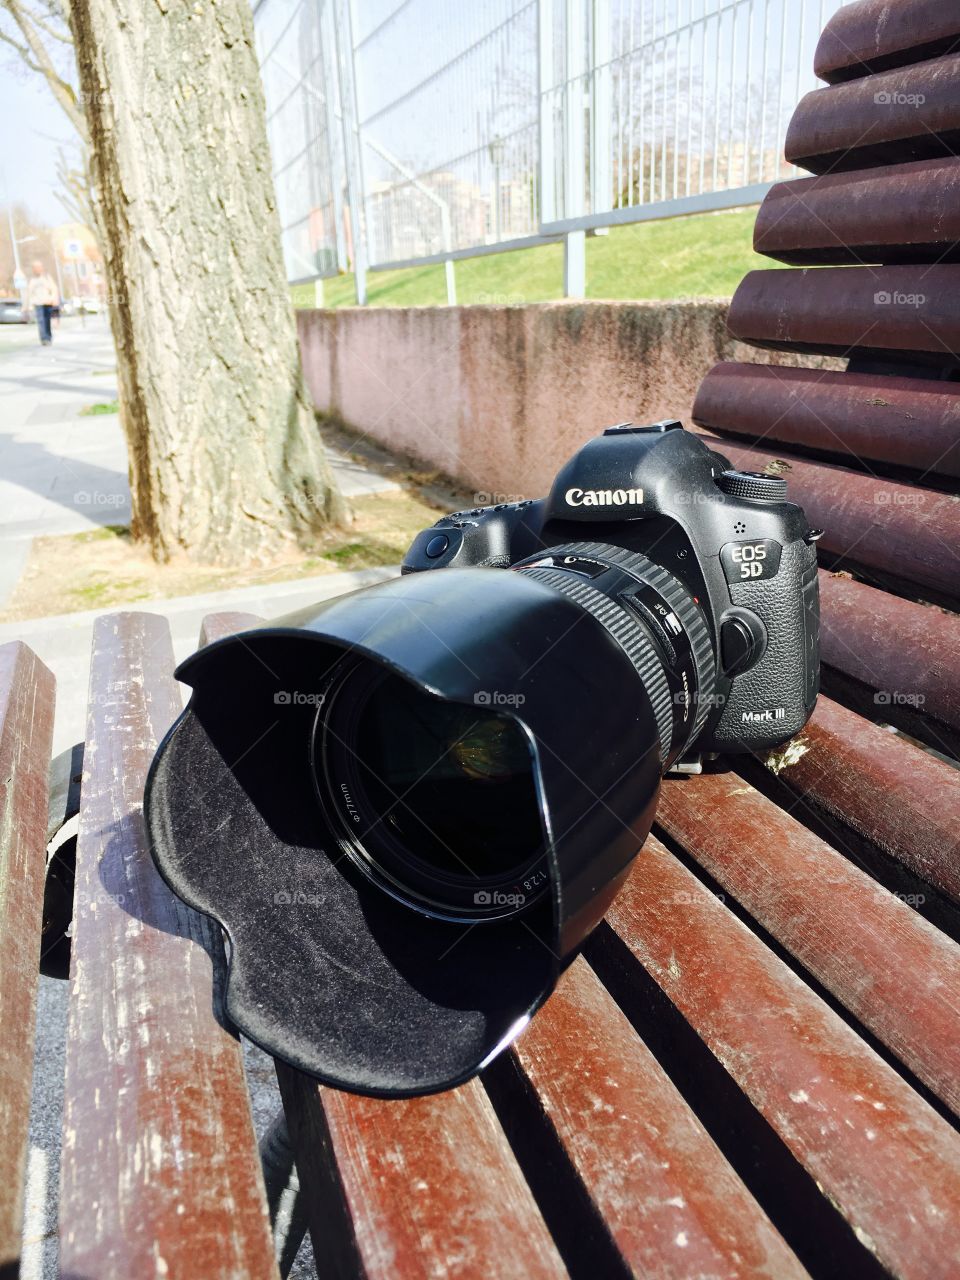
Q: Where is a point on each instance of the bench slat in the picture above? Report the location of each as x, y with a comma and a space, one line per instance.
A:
875, 35
27, 692
906, 533
160, 1167
911, 652
672, 1203
894, 971
413, 1187
906, 422
910, 113
868, 780
901, 213
834, 311
887, 1161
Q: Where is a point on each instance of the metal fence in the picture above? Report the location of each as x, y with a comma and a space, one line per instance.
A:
412, 131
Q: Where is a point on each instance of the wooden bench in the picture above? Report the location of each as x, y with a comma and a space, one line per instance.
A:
754, 1068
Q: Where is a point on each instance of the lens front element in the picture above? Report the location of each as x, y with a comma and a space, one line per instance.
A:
436, 801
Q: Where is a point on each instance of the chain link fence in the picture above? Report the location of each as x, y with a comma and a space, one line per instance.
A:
412, 131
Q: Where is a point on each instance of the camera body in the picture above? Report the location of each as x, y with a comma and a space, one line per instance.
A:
746, 556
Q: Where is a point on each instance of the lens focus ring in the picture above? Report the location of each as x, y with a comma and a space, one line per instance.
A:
631, 634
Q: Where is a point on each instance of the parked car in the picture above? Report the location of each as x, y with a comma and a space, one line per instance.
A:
12, 312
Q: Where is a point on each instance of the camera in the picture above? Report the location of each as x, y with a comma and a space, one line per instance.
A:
408, 806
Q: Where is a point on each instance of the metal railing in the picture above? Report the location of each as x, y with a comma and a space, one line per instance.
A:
406, 132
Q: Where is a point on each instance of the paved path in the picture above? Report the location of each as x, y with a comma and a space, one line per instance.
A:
61, 473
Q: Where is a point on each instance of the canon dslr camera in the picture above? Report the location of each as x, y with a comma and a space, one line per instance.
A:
409, 805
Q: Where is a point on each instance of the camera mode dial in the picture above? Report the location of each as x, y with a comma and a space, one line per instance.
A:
755, 485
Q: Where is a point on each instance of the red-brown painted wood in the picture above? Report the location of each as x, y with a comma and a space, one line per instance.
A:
868, 780
27, 693
906, 422
908, 533
875, 35
886, 1160
909, 113
900, 213
908, 652
421, 1187
160, 1171
849, 311
669, 1199
895, 972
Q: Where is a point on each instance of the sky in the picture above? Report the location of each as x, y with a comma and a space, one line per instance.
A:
31, 127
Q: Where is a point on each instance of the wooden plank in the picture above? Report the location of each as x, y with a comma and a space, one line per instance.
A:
160, 1172
907, 653
905, 312
875, 35
895, 972
900, 532
909, 113
413, 1187
669, 1199
27, 692
885, 1159
899, 213
905, 422
867, 780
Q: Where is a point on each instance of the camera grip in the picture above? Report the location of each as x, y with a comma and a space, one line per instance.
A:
774, 699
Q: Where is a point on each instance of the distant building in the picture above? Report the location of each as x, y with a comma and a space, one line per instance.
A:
79, 263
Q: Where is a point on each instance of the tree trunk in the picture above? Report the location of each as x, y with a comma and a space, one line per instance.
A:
225, 460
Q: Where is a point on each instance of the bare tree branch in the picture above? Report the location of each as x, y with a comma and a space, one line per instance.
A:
47, 27
43, 63
22, 50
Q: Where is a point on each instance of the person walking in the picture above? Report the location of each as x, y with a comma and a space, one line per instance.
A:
42, 296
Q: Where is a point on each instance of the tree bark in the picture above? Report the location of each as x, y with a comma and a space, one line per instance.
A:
226, 463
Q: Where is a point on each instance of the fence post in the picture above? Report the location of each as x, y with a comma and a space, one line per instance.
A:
353, 155
574, 159
547, 171
601, 122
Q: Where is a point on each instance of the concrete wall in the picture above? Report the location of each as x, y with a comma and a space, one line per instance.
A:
498, 397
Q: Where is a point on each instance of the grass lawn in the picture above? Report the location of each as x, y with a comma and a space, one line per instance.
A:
704, 256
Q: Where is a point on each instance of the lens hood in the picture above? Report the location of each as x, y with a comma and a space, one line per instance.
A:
325, 970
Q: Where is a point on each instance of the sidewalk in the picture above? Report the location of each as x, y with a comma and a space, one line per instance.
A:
52, 460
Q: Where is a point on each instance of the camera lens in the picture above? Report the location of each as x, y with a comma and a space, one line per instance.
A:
435, 801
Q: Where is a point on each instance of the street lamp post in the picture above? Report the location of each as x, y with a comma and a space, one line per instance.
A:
19, 279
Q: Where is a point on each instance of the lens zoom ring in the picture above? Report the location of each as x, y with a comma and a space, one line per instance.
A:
678, 597
629, 635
